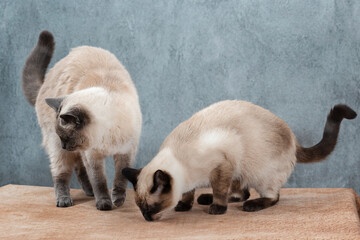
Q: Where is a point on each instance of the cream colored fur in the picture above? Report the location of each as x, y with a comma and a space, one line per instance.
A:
259, 146
94, 78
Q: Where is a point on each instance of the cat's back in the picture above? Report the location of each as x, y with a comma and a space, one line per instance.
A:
91, 58
241, 118
85, 67
230, 114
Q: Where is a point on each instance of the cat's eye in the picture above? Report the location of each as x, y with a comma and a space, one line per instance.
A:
63, 122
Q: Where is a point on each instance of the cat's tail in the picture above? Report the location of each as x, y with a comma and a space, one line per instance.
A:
327, 144
36, 64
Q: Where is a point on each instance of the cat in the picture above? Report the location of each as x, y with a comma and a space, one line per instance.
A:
231, 145
88, 109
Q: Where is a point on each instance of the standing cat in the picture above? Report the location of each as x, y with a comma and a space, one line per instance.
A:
88, 109
233, 145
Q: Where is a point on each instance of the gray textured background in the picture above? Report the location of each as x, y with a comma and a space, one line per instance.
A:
296, 58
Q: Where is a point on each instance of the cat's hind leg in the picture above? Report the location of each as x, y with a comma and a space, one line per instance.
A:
237, 194
121, 161
220, 180
186, 202
267, 199
62, 164
82, 177
94, 164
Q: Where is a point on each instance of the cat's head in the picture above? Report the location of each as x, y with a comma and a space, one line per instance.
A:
154, 191
71, 123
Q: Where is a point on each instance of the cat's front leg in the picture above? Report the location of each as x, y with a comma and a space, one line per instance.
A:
82, 177
220, 179
121, 161
62, 164
94, 164
186, 202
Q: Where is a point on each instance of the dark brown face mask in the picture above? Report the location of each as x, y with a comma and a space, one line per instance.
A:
69, 125
161, 183
149, 211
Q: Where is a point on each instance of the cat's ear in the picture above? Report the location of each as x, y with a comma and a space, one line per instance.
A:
54, 103
77, 116
70, 118
162, 182
131, 174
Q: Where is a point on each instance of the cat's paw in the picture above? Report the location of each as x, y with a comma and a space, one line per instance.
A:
183, 207
118, 199
234, 199
240, 197
216, 209
252, 206
64, 202
104, 204
205, 199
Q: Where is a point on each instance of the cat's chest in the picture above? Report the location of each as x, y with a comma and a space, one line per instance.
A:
114, 147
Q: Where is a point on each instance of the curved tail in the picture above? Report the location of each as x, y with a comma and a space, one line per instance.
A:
36, 64
327, 144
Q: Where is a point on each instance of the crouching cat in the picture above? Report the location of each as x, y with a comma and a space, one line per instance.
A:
231, 145
88, 109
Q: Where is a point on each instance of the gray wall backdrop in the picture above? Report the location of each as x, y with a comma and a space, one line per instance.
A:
296, 58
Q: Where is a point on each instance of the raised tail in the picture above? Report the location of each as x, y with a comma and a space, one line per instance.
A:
327, 144
36, 64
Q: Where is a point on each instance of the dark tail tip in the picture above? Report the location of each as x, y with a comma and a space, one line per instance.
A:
46, 39
341, 111
34, 70
328, 142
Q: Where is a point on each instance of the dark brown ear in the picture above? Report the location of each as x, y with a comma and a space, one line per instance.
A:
131, 174
70, 119
161, 180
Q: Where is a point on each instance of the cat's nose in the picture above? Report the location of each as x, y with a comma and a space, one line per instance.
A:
63, 144
147, 216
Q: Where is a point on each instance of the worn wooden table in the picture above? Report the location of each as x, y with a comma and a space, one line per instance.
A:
29, 212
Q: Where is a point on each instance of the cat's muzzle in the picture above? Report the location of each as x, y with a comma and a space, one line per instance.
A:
67, 146
150, 216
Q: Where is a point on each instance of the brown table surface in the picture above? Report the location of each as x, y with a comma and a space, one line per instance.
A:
29, 212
